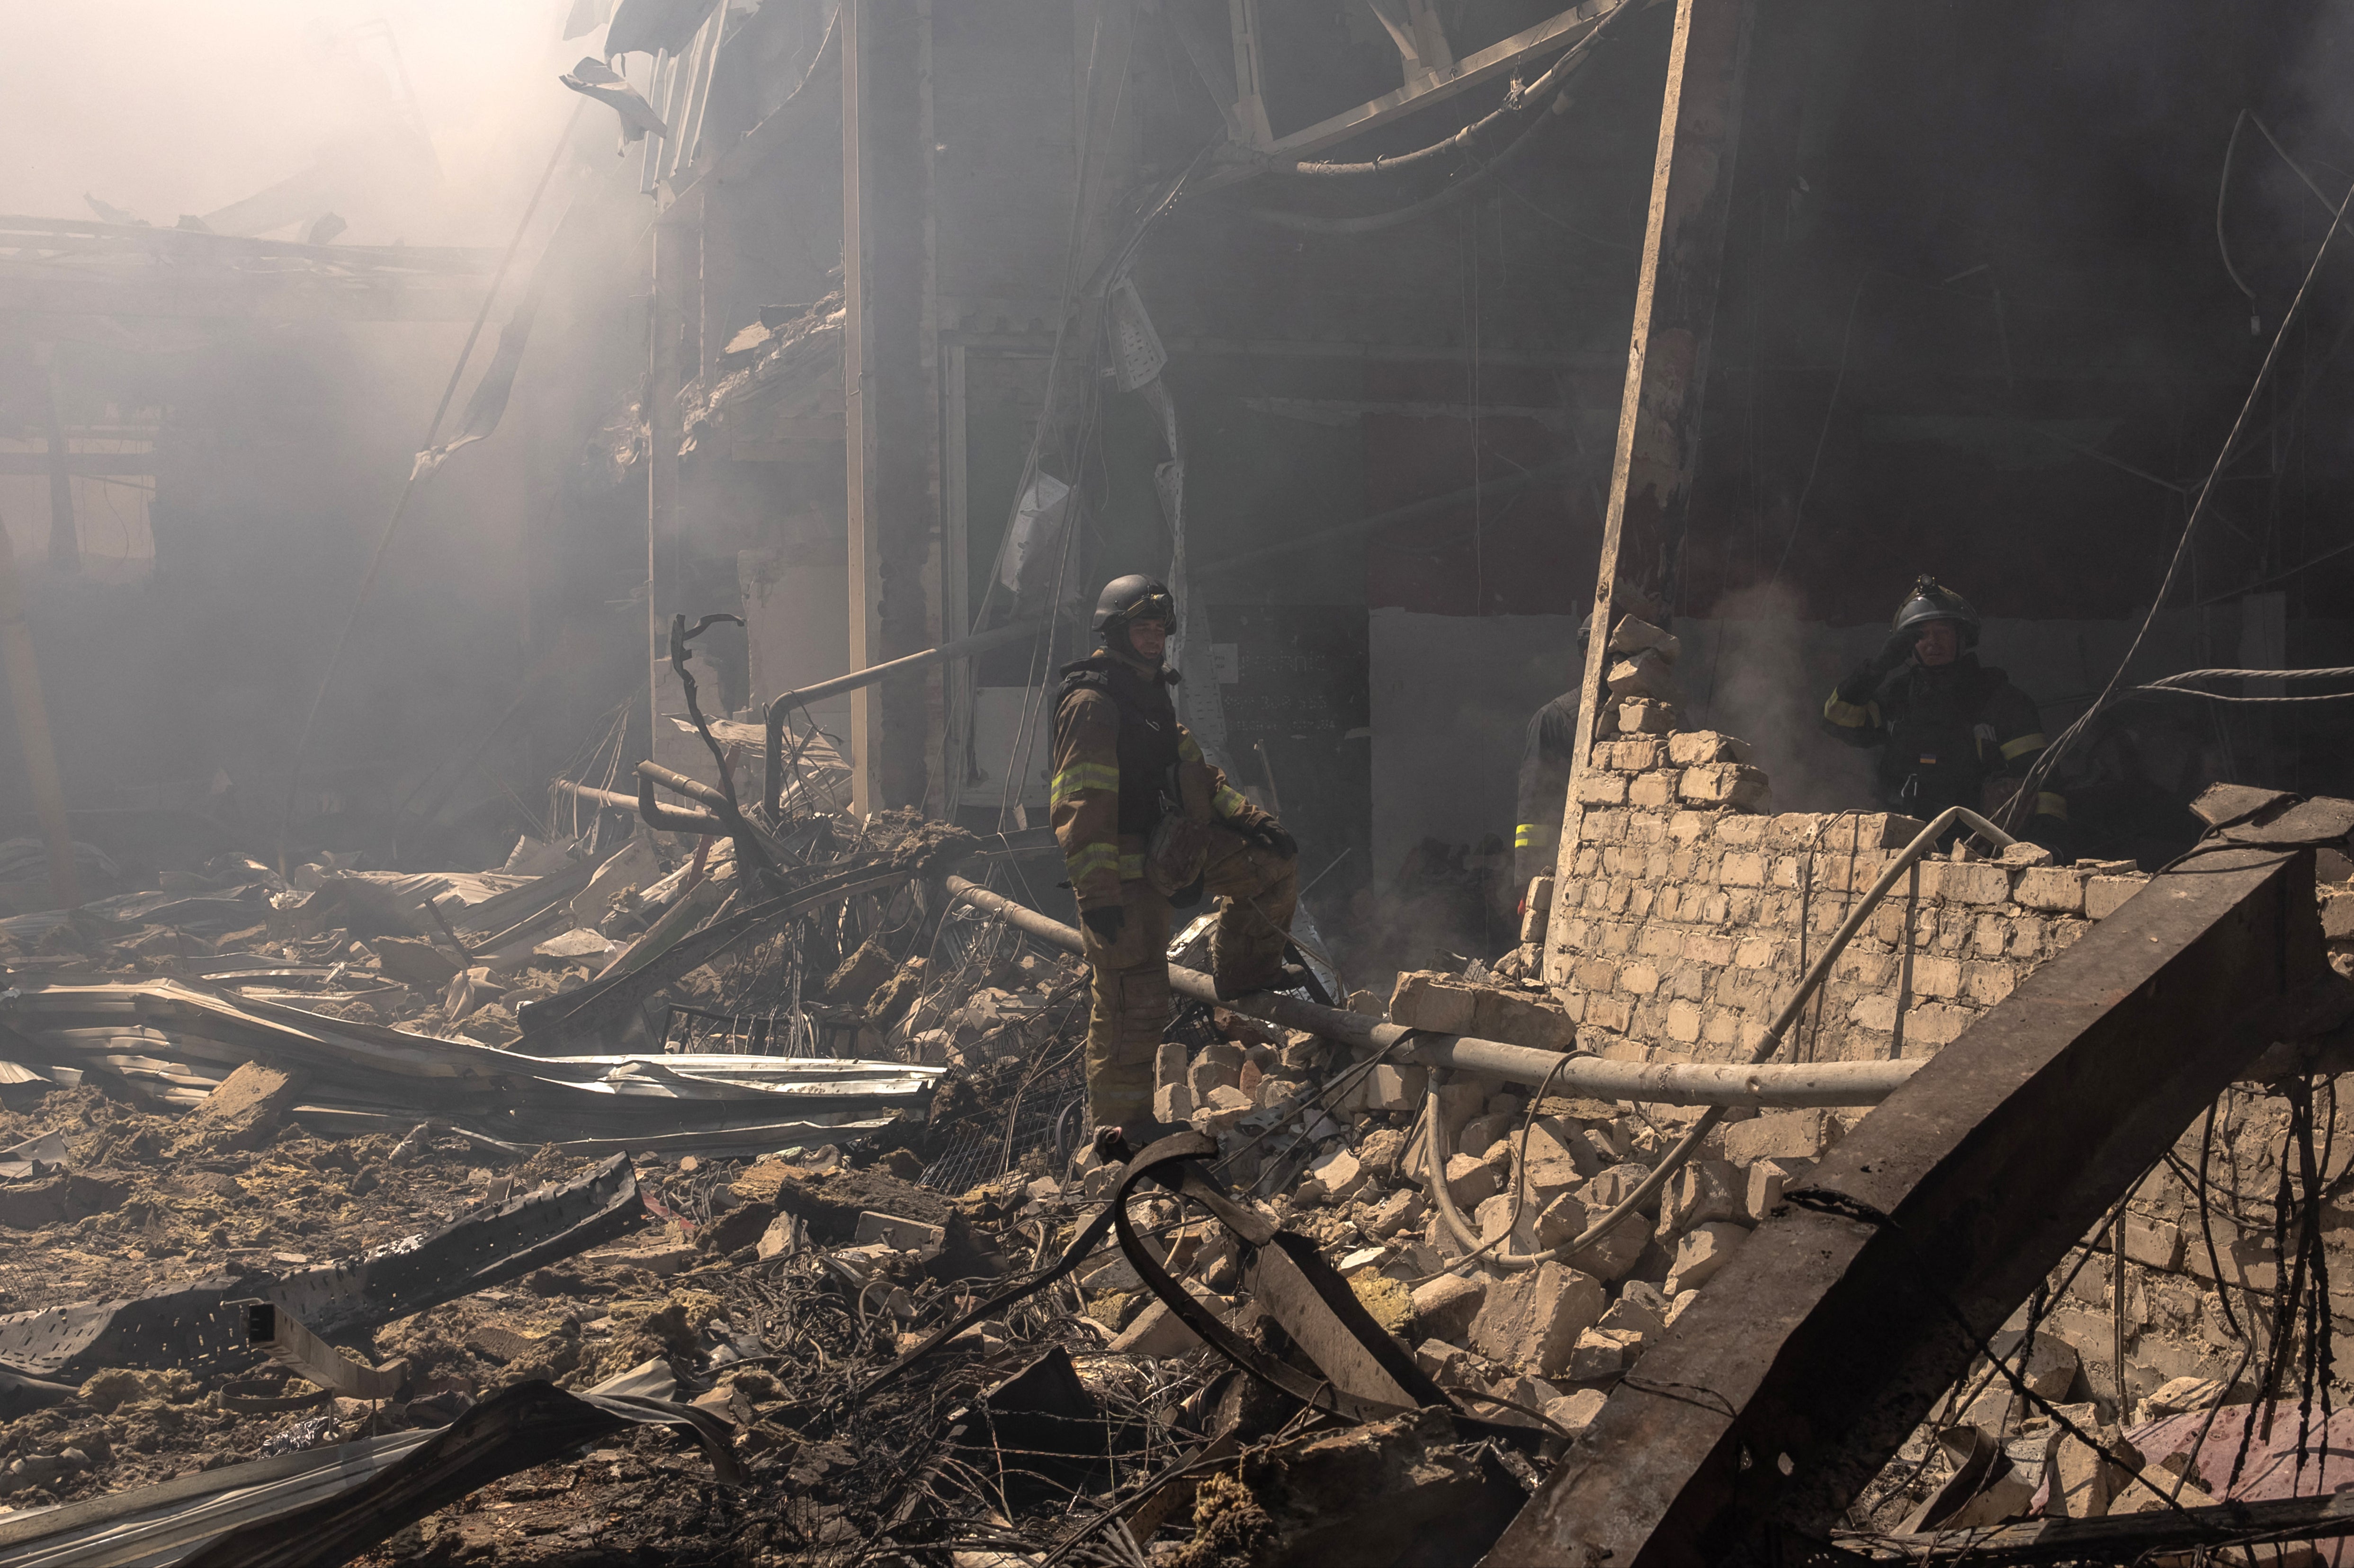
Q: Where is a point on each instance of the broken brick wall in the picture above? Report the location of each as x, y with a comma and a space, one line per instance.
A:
1688, 910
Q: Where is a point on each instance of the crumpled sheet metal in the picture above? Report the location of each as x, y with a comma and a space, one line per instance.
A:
192, 1324
150, 1527
522, 1425
175, 1039
325, 1505
210, 913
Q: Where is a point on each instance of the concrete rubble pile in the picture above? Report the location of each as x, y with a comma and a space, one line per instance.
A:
771, 1289
455, 1218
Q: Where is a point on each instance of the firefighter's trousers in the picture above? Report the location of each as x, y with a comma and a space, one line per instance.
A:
1258, 890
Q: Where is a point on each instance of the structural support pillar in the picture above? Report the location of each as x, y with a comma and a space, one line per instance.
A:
1667, 359
675, 266
65, 534
890, 426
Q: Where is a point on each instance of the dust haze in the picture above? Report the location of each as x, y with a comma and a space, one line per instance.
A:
161, 109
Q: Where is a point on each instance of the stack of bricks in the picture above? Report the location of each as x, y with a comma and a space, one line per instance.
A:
1689, 912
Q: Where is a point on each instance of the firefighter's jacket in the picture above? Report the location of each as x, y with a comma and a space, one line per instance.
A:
1944, 731
1546, 751
1121, 763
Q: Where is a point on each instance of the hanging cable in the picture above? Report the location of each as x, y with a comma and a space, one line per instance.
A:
2052, 753
1454, 191
2222, 190
1517, 100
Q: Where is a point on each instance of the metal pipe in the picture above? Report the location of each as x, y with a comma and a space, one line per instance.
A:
675, 818
613, 798
785, 702
714, 821
680, 784
1692, 1084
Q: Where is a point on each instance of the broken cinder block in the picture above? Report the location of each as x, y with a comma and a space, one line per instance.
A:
1646, 674
1703, 1190
1429, 1000
1172, 1103
1723, 784
1531, 1321
245, 1111
1602, 1353
1704, 1249
1220, 1109
1156, 1331
1573, 1413
1341, 1172
1634, 635
1781, 1135
1767, 1181
1694, 747
2104, 893
1391, 1088
1398, 1211
1642, 716
1471, 1182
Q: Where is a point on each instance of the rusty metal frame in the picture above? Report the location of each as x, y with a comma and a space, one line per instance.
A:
282, 1336
1826, 1340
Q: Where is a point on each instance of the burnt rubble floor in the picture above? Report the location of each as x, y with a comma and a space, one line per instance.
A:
775, 1297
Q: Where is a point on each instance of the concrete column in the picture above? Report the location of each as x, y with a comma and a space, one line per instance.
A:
676, 272
1667, 359
65, 536
891, 428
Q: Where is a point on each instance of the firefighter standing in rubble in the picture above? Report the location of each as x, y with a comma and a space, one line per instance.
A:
1951, 731
1145, 821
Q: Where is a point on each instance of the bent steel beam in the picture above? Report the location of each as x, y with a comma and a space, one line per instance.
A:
780, 707
1787, 1385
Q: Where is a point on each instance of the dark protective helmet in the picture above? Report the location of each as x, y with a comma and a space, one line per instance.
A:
1931, 600
1131, 597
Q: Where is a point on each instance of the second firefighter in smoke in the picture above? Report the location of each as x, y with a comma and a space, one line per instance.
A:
1951, 731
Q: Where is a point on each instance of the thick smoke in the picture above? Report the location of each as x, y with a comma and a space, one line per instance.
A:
1760, 672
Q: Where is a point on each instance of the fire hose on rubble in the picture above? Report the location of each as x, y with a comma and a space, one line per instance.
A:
1719, 1087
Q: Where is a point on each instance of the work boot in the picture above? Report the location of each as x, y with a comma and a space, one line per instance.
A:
1287, 977
1118, 1145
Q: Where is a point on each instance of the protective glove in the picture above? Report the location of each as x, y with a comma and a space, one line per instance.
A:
1107, 923
1895, 651
1269, 834
1865, 679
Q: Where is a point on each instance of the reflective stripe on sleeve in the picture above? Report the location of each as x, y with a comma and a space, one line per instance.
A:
1187, 749
1081, 775
2047, 804
2012, 750
1226, 802
1533, 835
1851, 715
